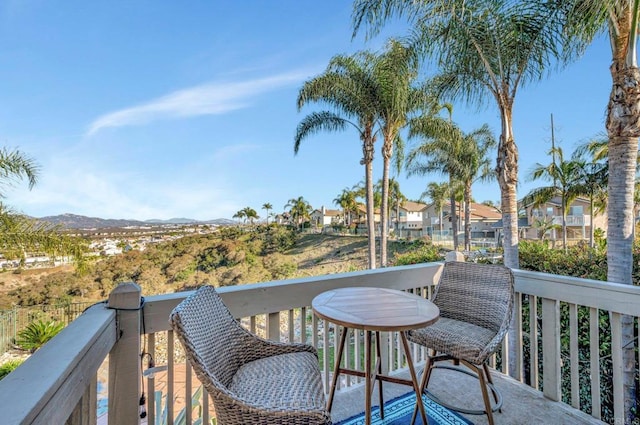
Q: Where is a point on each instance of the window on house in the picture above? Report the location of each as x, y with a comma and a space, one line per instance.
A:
576, 210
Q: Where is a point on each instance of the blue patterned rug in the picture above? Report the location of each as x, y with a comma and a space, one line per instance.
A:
399, 411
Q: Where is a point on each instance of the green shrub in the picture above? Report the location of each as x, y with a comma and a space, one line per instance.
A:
38, 333
424, 252
9, 366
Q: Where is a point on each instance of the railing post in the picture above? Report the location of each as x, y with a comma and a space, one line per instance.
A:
454, 256
551, 379
124, 358
273, 326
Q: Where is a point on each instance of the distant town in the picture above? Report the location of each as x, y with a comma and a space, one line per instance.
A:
108, 241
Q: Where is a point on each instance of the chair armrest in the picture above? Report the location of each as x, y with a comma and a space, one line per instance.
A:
258, 348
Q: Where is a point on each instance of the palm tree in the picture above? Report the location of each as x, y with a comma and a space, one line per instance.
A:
240, 215
592, 182
348, 88
448, 150
484, 50
299, 209
19, 233
544, 224
438, 154
267, 206
566, 178
347, 201
585, 19
475, 165
16, 166
250, 214
438, 193
396, 72
397, 199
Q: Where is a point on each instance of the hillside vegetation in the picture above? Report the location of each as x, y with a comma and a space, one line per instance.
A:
230, 257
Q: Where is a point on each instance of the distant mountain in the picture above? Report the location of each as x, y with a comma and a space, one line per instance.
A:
74, 221
172, 221
220, 222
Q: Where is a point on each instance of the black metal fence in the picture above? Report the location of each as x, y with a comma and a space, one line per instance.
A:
14, 320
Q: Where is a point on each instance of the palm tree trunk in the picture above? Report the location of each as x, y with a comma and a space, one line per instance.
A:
563, 208
387, 151
507, 171
367, 150
454, 217
622, 126
591, 231
467, 216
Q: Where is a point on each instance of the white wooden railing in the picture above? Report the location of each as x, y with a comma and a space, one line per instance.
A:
573, 220
58, 383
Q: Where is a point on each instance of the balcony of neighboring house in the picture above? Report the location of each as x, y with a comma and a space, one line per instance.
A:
573, 220
92, 371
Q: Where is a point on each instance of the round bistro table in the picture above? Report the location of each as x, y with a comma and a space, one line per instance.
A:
375, 310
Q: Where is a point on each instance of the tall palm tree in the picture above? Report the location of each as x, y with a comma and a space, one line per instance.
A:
565, 176
475, 165
448, 150
592, 183
396, 72
267, 206
299, 209
397, 199
438, 155
484, 50
348, 88
619, 18
438, 193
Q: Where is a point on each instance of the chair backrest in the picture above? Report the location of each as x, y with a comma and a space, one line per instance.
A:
480, 294
211, 337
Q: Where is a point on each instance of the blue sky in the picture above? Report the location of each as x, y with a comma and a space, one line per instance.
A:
152, 109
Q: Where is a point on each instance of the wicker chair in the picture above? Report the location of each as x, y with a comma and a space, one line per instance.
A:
475, 302
250, 380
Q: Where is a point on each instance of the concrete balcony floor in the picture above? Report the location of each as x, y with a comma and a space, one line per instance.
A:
522, 404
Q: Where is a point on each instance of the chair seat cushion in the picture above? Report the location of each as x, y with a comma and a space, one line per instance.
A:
461, 340
286, 381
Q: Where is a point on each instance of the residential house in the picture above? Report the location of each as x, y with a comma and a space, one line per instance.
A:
482, 219
284, 218
325, 217
579, 219
360, 220
408, 218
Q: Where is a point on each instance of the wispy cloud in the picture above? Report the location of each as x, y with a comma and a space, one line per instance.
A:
206, 99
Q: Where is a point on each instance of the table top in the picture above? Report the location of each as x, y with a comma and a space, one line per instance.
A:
375, 309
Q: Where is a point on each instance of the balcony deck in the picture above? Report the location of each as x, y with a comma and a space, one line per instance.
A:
522, 404
58, 383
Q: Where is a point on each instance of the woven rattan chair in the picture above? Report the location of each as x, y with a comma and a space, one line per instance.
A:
250, 380
475, 302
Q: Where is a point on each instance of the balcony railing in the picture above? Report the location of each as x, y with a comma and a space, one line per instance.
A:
573, 220
58, 383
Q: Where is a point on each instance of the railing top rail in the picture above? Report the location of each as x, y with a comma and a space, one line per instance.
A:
47, 387
615, 297
271, 297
